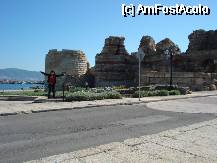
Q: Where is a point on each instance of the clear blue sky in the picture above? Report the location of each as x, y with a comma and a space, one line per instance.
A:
29, 28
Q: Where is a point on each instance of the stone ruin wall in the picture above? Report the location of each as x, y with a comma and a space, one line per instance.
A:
202, 40
114, 65
201, 55
71, 62
202, 51
155, 58
194, 80
196, 68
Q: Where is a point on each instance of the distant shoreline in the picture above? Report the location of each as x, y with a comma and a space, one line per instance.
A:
20, 82
16, 90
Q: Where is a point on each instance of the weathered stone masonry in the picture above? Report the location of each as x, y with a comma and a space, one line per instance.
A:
114, 66
196, 68
71, 62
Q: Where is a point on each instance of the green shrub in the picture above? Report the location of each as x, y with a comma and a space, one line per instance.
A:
76, 89
77, 96
97, 90
90, 96
174, 92
163, 93
151, 93
147, 88
113, 95
165, 87
119, 87
142, 94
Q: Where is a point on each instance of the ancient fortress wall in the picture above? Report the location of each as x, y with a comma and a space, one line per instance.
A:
202, 40
194, 80
196, 68
71, 62
114, 65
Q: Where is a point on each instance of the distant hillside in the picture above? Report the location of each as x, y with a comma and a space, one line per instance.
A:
19, 74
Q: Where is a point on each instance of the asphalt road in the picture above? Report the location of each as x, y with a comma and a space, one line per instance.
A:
33, 136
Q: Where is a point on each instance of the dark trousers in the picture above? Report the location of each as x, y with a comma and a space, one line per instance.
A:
51, 88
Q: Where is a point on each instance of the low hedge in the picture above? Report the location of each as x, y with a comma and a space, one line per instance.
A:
163, 93
76, 89
156, 93
174, 92
90, 96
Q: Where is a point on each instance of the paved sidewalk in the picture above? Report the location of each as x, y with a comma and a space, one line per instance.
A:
18, 107
197, 105
196, 143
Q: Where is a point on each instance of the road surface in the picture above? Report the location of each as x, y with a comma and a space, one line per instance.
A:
32, 136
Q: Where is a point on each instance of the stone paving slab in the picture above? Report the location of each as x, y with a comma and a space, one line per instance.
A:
196, 143
26, 107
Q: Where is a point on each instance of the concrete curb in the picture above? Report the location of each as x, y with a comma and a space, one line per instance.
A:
169, 98
124, 103
7, 114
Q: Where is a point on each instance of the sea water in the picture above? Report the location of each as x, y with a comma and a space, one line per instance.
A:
19, 86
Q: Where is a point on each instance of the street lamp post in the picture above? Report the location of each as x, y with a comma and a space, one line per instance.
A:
140, 55
169, 53
139, 77
171, 69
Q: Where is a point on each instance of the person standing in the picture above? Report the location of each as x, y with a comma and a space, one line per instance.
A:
51, 81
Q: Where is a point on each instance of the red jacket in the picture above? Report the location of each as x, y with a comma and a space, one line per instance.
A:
51, 79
